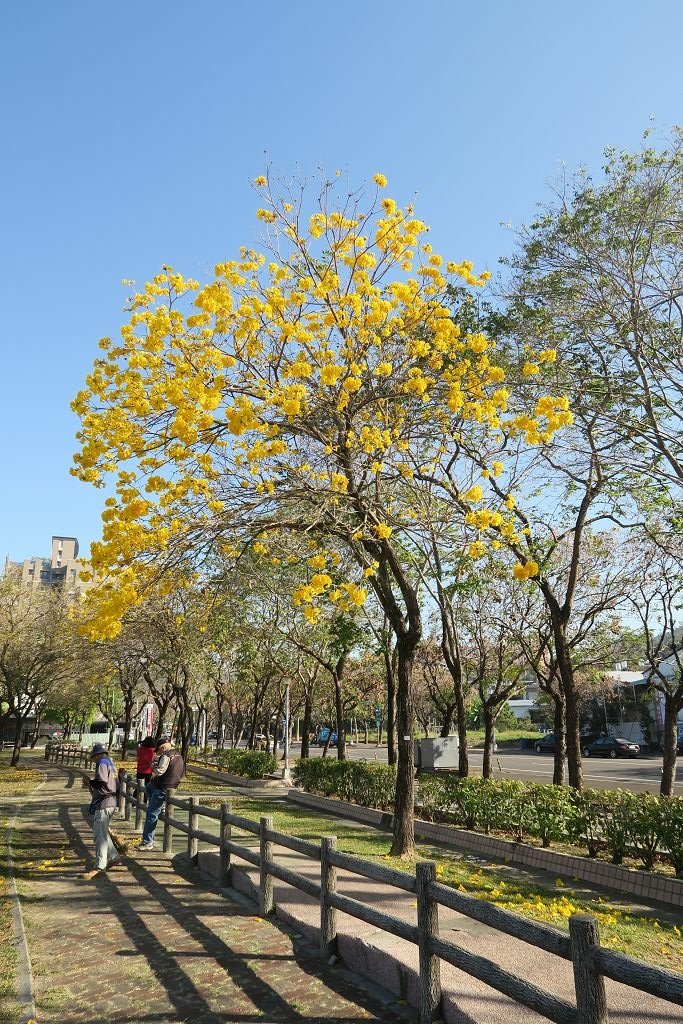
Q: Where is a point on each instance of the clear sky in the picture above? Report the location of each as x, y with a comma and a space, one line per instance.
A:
131, 130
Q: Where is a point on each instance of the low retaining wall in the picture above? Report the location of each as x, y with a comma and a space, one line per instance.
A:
646, 885
237, 780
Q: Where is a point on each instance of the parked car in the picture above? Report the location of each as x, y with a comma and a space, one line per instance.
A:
546, 744
321, 738
611, 746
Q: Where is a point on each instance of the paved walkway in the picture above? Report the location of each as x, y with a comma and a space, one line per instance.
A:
144, 945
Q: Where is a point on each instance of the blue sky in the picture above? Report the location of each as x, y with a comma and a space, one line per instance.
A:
131, 131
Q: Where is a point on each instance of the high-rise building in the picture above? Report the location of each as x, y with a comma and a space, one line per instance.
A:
62, 568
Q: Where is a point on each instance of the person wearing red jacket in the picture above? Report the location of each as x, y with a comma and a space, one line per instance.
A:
145, 756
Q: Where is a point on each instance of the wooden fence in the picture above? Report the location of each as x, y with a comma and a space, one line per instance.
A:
591, 962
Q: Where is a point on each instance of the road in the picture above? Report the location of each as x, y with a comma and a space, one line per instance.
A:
640, 775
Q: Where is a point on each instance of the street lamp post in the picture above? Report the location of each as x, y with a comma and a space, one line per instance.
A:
285, 770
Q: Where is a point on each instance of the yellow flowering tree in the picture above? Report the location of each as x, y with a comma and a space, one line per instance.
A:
298, 389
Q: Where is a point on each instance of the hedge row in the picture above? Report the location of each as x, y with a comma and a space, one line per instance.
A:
254, 764
613, 820
360, 782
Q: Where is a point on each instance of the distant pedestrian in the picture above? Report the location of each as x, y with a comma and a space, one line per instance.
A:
102, 806
145, 755
168, 769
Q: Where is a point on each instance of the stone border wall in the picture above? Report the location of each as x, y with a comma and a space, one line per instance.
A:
644, 884
237, 780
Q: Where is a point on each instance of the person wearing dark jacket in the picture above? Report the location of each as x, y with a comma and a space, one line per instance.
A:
168, 769
102, 807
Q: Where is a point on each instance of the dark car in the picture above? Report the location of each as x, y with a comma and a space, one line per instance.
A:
546, 744
611, 746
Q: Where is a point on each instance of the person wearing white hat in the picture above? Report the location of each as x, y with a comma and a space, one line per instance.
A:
102, 807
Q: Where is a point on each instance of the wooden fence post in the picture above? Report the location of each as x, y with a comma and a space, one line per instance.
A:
122, 793
427, 930
139, 787
168, 813
591, 1001
129, 805
225, 835
328, 884
266, 897
47, 752
193, 822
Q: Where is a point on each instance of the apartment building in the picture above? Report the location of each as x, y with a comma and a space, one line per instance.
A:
62, 568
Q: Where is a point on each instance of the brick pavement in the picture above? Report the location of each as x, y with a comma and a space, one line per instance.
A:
143, 945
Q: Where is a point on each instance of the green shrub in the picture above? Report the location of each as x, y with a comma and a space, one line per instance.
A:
370, 784
585, 819
546, 811
621, 821
431, 795
254, 764
506, 808
645, 825
671, 825
467, 800
618, 823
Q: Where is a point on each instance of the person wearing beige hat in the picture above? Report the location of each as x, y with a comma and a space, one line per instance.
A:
102, 806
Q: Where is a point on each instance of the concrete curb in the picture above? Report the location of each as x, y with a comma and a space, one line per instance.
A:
646, 885
237, 780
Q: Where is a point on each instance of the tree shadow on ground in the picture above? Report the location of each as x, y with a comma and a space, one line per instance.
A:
187, 1000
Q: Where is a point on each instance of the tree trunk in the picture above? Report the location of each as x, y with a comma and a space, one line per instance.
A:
126, 732
16, 750
566, 673
305, 733
36, 730
339, 712
463, 755
447, 721
560, 755
403, 844
367, 736
668, 782
489, 727
254, 721
391, 716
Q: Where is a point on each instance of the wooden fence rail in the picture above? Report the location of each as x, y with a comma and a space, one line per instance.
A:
591, 962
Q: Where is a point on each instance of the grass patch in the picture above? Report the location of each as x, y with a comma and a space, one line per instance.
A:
17, 781
645, 934
56, 998
191, 780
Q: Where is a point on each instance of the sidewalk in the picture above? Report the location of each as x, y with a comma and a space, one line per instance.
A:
143, 945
